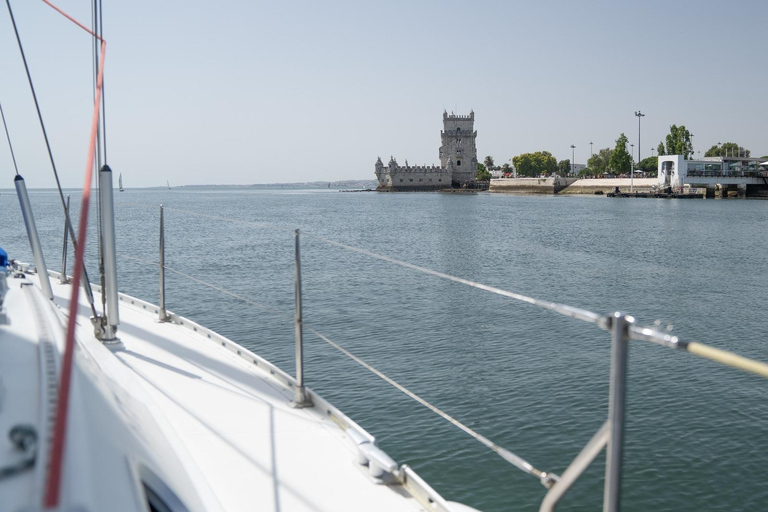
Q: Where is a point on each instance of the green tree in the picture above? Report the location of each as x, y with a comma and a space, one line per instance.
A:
660, 149
488, 163
482, 173
599, 163
649, 165
728, 149
621, 161
535, 164
678, 142
506, 169
564, 167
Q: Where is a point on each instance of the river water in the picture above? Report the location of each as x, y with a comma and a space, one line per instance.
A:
532, 381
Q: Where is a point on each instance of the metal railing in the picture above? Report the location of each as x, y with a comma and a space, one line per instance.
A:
621, 326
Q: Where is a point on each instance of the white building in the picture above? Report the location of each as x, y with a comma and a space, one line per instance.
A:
745, 175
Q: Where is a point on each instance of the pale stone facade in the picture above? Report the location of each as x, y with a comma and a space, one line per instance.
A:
458, 160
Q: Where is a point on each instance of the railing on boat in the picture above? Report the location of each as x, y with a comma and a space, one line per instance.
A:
622, 328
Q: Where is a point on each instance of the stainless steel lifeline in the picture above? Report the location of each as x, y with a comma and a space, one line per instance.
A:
609, 436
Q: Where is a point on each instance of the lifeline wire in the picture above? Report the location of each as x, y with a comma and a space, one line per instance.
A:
214, 287
546, 478
8, 135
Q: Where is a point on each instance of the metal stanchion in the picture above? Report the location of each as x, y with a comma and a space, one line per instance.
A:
301, 398
616, 408
63, 277
110, 254
163, 314
34, 239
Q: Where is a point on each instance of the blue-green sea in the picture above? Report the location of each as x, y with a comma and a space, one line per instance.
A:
532, 381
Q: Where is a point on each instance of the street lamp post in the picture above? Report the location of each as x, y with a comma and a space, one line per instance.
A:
573, 155
639, 115
632, 168
591, 153
691, 146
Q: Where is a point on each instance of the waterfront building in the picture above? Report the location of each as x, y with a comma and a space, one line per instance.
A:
458, 160
746, 176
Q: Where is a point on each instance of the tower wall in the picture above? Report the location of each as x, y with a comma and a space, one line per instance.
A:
458, 143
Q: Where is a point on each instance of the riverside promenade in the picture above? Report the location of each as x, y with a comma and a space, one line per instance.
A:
559, 185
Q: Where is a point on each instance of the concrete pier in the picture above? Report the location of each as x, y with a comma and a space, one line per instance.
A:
551, 185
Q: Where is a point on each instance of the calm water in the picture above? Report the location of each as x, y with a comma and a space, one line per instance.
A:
535, 383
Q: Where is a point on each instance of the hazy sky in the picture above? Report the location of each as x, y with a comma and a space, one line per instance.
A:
247, 92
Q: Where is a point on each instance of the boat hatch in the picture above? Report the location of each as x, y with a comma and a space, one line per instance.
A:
157, 495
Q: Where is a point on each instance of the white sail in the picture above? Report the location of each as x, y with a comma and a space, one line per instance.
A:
120, 182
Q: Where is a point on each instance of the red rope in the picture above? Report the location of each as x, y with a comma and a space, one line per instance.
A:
73, 20
53, 482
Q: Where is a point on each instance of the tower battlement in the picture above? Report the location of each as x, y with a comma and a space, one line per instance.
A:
446, 115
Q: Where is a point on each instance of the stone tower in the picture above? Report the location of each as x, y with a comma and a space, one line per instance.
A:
458, 146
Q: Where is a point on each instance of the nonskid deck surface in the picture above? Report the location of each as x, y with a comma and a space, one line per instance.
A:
244, 446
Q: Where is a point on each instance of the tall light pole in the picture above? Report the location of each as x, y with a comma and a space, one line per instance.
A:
639, 115
632, 168
591, 153
573, 155
691, 146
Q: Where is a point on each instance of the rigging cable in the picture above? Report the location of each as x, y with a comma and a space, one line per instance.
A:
55, 474
100, 238
68, 221
8, 136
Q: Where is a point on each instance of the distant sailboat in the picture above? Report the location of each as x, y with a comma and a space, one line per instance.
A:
120, 183
168, 183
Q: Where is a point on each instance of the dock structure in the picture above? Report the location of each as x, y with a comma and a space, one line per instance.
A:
720, 176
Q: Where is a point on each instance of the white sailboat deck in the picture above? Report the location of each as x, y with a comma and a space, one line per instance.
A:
223, 414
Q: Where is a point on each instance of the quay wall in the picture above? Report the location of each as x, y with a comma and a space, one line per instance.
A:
605, 185
551, 185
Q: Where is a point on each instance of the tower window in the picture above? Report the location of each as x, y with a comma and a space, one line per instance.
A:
458, 162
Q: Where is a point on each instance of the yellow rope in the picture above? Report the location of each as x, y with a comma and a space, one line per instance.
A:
728, 359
